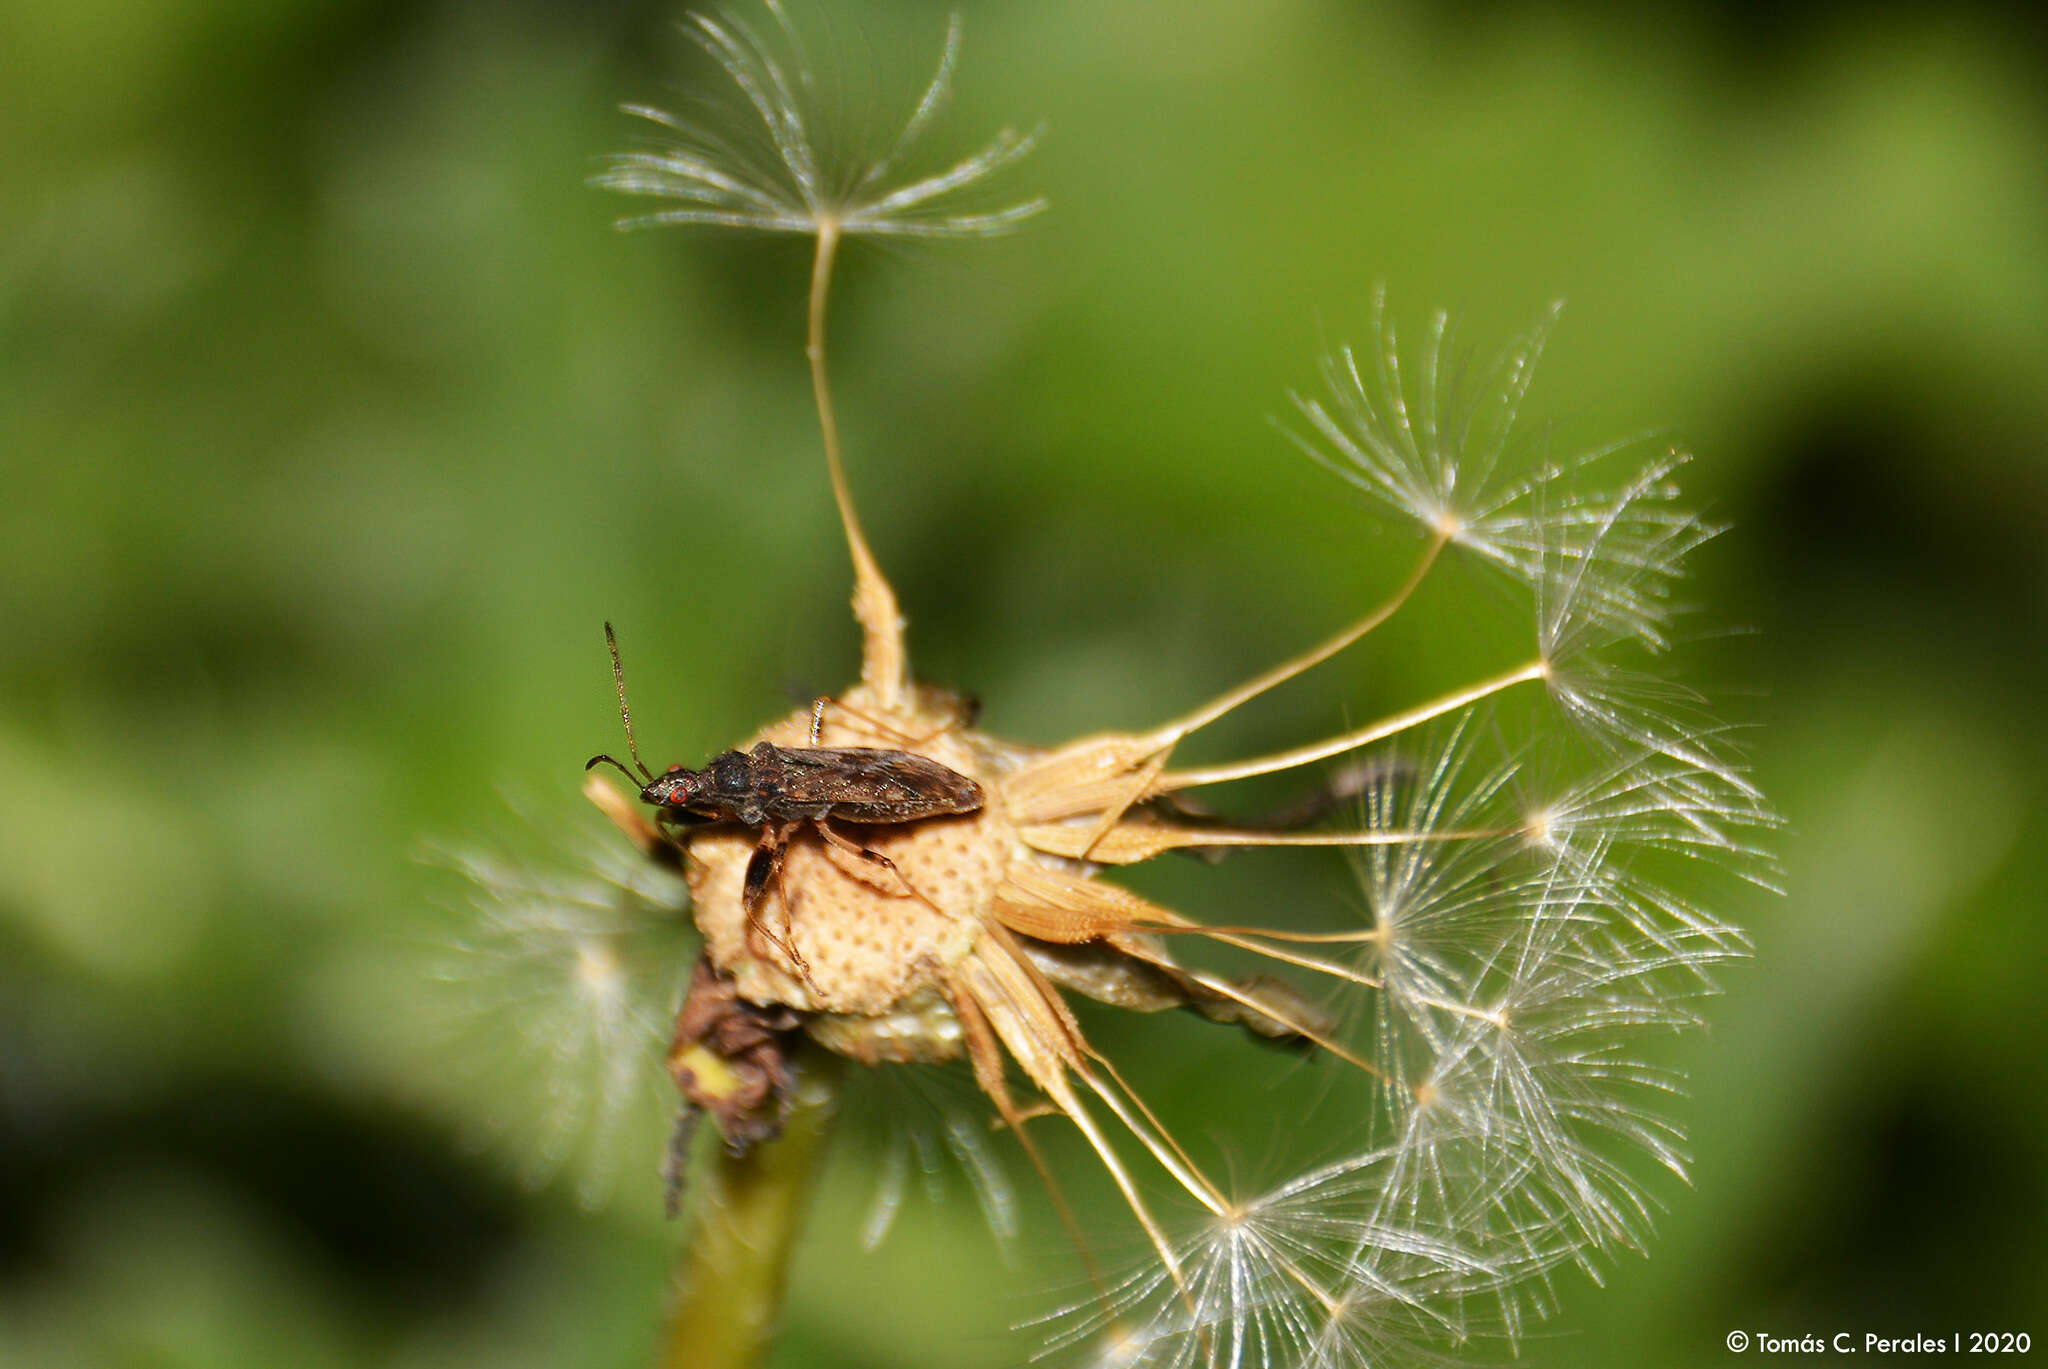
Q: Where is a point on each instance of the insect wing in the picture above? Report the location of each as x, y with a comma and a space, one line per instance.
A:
866, 784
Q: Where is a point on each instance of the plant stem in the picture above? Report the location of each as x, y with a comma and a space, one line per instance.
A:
746, 1213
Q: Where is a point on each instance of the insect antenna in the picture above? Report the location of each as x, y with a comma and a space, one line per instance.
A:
594, 761
611, 640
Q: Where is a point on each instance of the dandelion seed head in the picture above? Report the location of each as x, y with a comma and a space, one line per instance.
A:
925, 1125
1444, 454
566, 977
1518, 947
600, 973
1541, 1065
757, 158
1326, 1269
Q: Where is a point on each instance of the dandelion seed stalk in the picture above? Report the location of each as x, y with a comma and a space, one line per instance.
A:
747, 1212
1289, 669
1351, 741
874, 602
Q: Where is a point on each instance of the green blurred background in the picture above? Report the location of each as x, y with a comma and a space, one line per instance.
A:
335, 419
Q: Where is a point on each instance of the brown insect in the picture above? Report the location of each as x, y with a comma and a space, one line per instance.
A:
782, 790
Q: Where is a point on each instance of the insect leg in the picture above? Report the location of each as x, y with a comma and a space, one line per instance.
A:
788, 942
654, 840
676, 828
880, 730
675, 1164
968, 709
846, 845
762, 869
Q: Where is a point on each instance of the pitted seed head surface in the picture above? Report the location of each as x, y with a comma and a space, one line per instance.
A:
869, 936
